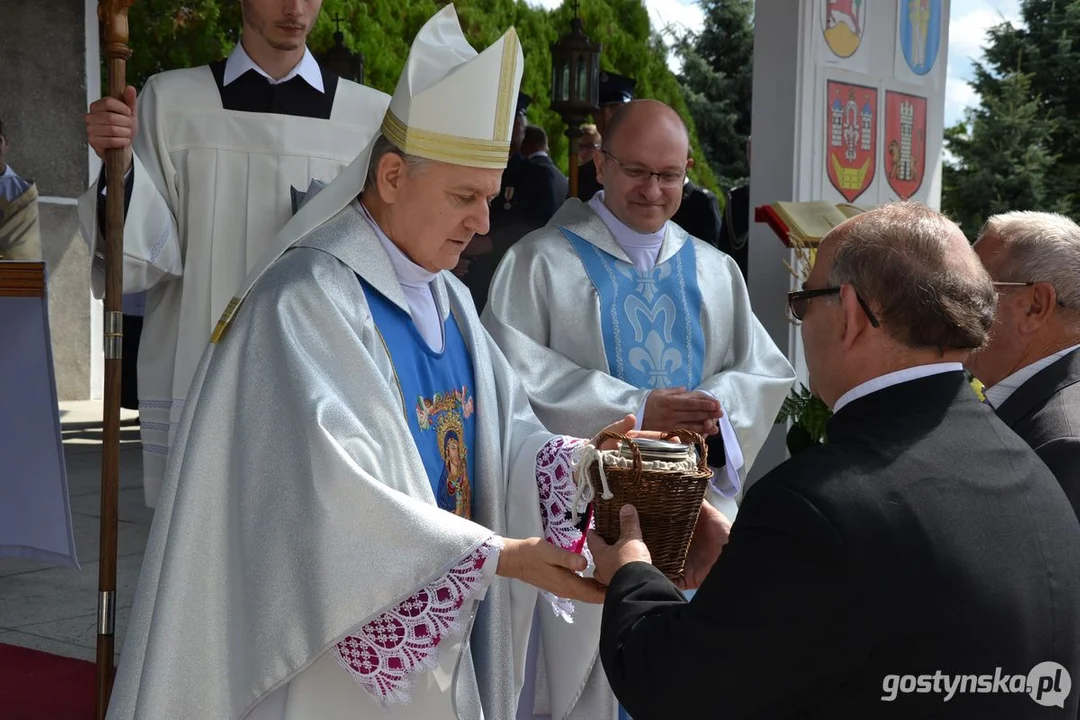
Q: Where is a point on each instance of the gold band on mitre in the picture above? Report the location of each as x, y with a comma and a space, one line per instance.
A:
442, 147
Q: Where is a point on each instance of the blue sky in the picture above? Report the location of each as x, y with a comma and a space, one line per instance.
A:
968, 24
967, 31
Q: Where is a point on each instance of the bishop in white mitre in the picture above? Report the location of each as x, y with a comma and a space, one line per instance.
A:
339, 532
611, 304
218, 152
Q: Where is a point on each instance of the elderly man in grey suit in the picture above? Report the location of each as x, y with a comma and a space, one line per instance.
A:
1031, 366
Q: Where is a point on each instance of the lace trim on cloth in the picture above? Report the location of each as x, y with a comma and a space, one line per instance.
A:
387, 655
558, 491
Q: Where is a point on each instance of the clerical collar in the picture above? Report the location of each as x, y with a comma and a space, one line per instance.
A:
408, 273
625, 235
240, 62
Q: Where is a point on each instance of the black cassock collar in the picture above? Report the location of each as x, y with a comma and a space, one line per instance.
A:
251, 92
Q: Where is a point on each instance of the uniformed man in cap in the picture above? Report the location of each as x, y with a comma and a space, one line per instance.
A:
508, 223
615, 91
735, 229
699, 212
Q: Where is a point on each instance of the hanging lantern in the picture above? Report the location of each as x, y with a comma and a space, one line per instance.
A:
575, 86
575, 74
342, 61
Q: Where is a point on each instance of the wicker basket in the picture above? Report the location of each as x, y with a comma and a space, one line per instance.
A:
667, 502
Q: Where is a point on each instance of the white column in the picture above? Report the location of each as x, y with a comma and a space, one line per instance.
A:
93, 92
793, 64
779, 33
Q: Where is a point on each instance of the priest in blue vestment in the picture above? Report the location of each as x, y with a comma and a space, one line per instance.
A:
613, 309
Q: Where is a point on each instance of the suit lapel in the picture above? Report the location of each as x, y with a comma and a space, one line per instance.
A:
1044, 384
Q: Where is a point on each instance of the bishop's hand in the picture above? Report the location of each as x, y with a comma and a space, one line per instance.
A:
539, 563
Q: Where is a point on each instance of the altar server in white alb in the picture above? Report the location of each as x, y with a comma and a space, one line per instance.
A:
611, 309
361, 506
217, 152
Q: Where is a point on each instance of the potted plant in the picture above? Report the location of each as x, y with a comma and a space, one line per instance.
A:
809, 417
808, 414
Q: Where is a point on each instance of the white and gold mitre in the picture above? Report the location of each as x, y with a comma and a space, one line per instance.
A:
452, 104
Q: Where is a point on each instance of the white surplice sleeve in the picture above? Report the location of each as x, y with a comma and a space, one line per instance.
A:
152, 249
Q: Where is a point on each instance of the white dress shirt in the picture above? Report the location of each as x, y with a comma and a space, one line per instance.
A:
999, 393
416, 284
895, 378
240, 62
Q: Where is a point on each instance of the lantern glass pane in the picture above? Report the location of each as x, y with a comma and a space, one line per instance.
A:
582, 88
564, 91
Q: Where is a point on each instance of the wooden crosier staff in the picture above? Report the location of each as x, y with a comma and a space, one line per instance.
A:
573, 132
113, 16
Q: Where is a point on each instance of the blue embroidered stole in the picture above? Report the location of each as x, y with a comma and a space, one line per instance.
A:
650, 320
438, 392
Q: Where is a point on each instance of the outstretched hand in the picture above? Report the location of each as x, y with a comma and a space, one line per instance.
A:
539, 563
630, 547
710, 536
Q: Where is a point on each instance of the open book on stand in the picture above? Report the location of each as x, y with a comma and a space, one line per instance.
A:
808, 222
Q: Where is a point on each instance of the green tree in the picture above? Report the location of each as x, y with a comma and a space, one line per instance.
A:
1003, 161
166, 35
1020, 149
630, 47
716, 80
201, 31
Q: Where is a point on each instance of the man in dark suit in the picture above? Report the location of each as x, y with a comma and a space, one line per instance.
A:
478, 262
615, 91
699, 214
544, 186
908, 568
1031, 366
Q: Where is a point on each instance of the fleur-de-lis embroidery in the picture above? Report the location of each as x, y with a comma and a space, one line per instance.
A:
646, 279
656, 360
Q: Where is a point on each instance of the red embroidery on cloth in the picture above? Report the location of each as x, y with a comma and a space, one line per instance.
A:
555, 480
387, 654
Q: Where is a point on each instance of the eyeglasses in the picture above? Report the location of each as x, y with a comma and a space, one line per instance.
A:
1029, 283
668, 178
799, 301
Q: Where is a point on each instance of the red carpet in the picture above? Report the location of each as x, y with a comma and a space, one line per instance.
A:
38, 686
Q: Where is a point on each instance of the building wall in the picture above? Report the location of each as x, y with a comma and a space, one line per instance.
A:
42, 101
